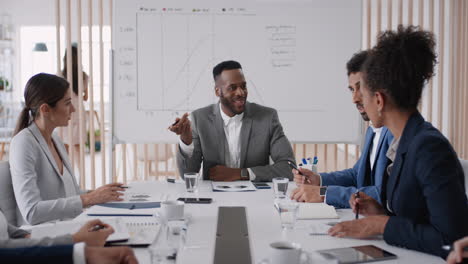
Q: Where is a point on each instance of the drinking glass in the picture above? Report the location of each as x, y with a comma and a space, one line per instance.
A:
288, 213
191, 181
280, 186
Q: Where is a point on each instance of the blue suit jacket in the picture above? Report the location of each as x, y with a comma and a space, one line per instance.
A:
341, 184
38, 255
425, 191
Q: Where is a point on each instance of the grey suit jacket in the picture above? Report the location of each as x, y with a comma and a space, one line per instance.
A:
37, 182
261, 137
13, 237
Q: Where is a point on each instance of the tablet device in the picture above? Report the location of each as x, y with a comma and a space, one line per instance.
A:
360, 254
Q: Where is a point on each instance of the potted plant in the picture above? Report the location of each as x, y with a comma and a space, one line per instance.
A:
97, 142
4, 84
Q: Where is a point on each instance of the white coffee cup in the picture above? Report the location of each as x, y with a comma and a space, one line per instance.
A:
172, 210
286, 252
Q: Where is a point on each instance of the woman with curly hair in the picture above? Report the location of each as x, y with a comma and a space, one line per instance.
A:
424, 205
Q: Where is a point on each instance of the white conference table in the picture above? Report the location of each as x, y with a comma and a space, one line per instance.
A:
263, 224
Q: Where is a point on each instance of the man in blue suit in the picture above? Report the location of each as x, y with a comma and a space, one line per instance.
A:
335, 188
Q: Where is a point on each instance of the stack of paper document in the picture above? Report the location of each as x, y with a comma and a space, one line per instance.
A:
316, 211
313, 211
235, 186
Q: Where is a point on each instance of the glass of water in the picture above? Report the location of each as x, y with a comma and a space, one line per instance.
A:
288, 213
191, 181
280, 186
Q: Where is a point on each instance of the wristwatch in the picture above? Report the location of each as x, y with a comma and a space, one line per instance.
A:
323, 190
245, 174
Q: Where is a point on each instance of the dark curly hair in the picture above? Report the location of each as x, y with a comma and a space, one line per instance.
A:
355, 63
400, 64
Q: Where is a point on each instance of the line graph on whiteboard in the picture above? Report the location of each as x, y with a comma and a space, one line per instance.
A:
183, 55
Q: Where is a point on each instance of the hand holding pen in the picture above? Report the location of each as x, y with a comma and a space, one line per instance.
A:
304, 176
363, 204
93, 233
356, 207
182, 127
459, 251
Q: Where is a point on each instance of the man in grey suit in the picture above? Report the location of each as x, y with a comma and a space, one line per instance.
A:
233, 138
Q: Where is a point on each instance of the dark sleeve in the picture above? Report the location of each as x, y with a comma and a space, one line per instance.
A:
441, 178
38, 255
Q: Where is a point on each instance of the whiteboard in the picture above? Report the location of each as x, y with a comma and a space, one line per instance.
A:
293, 54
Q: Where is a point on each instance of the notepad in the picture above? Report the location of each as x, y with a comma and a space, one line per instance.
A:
98, 211
143, 232
131, 206
70, 227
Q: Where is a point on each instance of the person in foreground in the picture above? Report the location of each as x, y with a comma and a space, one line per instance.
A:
62, 254
460, 252
233, 138
424, 205
16, 246
367, 173
43, 181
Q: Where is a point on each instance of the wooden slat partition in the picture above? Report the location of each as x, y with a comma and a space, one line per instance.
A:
431, 15
92, 136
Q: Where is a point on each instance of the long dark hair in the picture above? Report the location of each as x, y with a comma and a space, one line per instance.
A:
41, 89
74, 54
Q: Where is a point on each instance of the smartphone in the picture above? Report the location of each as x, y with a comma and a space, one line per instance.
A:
293, 166
261, 185
196, 200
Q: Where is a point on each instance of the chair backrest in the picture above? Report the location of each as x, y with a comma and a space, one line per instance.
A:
7, 196
464, 164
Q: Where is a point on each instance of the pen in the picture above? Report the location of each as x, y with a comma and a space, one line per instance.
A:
314, 165
175, 123
450, 248
294, 167
125, 187
96, 228
357, 205
304, 161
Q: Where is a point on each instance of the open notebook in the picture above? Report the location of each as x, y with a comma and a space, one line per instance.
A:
134, 231
71, 227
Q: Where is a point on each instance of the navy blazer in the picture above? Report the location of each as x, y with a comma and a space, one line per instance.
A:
341, 184
425, 191
38, 255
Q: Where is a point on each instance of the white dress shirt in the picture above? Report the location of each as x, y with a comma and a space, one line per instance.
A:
232, 129
375, 144
79, 253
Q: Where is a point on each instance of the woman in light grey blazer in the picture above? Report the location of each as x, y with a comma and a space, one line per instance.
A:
43, 181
